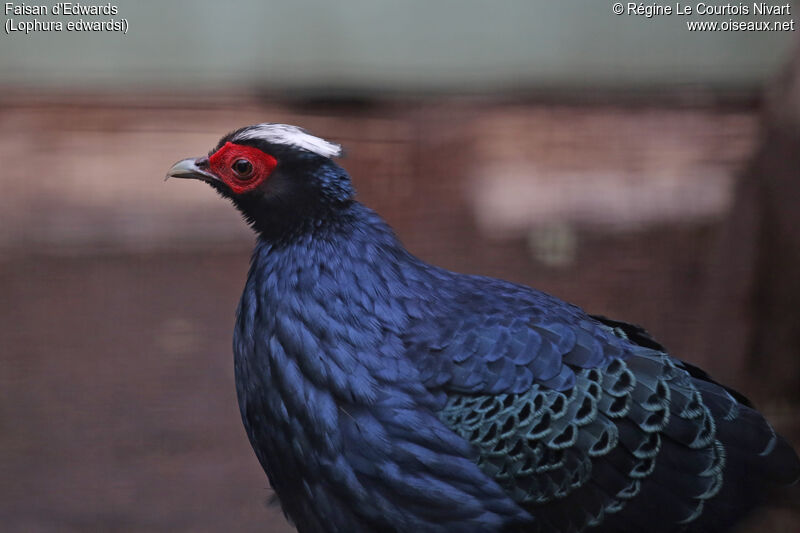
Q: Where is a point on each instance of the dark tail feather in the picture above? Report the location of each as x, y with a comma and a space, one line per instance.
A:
757, 460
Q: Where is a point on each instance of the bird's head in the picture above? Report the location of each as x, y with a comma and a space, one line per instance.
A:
279, 176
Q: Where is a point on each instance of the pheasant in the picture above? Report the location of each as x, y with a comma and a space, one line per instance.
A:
381, 393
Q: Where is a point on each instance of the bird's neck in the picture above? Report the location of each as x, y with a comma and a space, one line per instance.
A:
279, 223
352, 253
349, 232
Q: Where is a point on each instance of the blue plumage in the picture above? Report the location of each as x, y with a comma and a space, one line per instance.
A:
381, 393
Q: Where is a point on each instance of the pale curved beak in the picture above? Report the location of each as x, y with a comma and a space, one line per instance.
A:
191, 168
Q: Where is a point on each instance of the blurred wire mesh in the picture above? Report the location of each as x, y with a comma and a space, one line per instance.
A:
117, 406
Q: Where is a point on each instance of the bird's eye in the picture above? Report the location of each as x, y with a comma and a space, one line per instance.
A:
243, 168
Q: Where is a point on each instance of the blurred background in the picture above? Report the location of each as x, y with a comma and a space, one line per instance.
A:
623, 163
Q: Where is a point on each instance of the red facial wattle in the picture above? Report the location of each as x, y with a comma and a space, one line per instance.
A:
229, 164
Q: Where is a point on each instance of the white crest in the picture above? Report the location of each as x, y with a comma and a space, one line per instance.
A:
290, 136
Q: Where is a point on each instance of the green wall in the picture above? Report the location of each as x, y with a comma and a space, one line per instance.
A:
388, 45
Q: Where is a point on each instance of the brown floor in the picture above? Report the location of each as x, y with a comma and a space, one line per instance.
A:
117, 402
